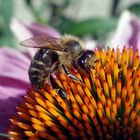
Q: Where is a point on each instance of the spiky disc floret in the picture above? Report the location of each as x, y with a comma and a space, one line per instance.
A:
103, 104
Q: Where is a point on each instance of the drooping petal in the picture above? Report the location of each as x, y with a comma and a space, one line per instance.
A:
14, 82
24, 30
127, 33
7, 107
14, 64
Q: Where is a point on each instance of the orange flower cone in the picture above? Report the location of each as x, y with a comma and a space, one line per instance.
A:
104, 104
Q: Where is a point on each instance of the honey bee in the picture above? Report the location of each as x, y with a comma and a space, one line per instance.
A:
56, 53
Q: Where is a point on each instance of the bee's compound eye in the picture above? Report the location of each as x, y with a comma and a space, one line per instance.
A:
88, 54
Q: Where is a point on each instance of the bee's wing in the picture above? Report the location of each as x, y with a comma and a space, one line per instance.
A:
43, 42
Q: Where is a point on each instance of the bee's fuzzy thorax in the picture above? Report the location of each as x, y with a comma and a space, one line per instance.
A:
68, 37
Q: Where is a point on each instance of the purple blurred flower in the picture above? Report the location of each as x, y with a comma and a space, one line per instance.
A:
13, 82
24, 30
14, 69
128, 31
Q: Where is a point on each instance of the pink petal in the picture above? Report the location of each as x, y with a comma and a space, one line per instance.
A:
7, 109
24, 30
128, 31
14, 82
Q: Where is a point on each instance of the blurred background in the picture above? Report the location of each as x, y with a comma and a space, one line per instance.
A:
88, 19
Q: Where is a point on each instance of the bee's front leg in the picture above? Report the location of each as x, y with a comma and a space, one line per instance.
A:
73, 77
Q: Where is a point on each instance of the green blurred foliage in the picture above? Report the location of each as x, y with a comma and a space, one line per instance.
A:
6, 12
135, 8
96, 27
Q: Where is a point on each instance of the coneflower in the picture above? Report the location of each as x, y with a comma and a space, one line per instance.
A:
104, 104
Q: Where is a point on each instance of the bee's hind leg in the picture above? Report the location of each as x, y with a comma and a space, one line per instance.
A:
49, 77
73, 77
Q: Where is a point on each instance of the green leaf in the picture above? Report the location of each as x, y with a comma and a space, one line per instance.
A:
6, 11
6, 41
135, 8
92, 26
